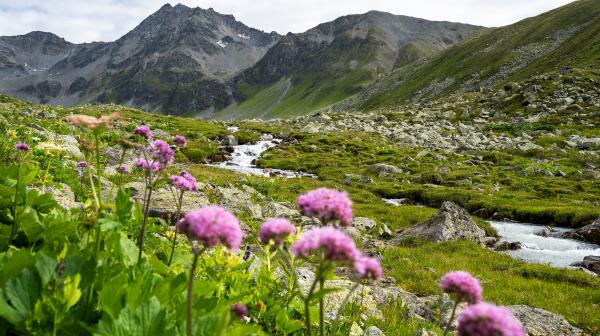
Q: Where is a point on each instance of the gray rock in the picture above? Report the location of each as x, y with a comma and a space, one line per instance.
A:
364, 224
229, 140
240, 201
450, 223
373, 331
591, 263
539, 322
589, 233
383, 169
508, 246
62, 194
425, 332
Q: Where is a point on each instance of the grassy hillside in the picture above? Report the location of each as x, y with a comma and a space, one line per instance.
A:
567, 36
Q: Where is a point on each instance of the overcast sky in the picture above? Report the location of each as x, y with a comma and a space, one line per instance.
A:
106, 20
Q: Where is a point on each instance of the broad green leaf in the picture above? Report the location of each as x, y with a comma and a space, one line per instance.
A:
23, 291
46, 268
71, 291
124, 206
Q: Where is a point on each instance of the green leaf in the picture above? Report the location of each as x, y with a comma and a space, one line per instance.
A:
71, 291
46, 268
124, 206
22, 292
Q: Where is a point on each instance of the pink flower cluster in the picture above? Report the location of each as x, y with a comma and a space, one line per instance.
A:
212, 225
146, 165
184, 181
180, 140
463, 285
327, 205
335, 244
22, 147
143, 131
484, 319
161, 152
368, 268
276, 230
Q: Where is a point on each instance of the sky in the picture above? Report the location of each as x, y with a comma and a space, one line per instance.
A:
106, 20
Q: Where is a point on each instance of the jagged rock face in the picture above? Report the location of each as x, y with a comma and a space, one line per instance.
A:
185, 60
177, 60
450, 223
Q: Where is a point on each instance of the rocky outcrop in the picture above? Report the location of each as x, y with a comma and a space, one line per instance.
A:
589, 233
450, 223
382, 169
539, 322
590, 263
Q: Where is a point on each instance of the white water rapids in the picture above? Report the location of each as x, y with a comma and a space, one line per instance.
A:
551, 250
243, 158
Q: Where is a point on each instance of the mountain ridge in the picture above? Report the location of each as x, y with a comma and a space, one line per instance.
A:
195, 61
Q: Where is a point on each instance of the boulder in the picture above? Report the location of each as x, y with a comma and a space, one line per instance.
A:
240, 201
373, 331
508, 246
364, 224
229, 140
589, 233
539, 322
450, 223
62, 195
382, 169
591, 263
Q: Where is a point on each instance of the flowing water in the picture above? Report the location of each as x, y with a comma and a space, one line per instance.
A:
551, 250
243, 158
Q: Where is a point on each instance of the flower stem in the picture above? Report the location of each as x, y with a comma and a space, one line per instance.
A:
321, 308
447, 329
98, 170
13, 230
144, 221
112, 187
190, 295
175, 234
341, 308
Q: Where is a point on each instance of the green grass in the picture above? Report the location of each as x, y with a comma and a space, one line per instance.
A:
523, 196
505, 281
487, 51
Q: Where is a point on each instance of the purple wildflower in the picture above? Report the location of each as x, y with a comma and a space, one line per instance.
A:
144, 131
184, 181
161, 152
484, 319
463, 285
180, 140
82, 165
22, 147
276, 230
146, 165
368, 268
327, 205
191, 179
123, 169
212, 225
240, 310
336, 245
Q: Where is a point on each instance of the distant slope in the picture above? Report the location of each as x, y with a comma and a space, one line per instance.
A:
567, 36
326, 64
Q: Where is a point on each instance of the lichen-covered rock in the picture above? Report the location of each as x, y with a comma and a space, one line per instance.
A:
450, 223
373, 331
383, 169
539, 322
240, 201
62, 194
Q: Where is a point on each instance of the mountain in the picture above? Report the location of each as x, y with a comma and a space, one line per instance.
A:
192, 61
562, 38
175, 61
307, 71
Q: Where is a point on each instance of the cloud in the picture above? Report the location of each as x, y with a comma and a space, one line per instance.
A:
106, 20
